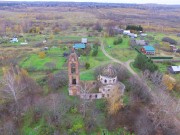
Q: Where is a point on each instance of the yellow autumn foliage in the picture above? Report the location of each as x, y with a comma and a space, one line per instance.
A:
42, 55
114, 101
169, 82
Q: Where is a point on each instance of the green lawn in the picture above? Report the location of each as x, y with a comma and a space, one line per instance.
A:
121, 51
94, 61
53, 55
87, 75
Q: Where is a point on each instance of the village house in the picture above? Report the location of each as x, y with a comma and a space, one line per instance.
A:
174, 69
79, 46
173, 48
149, 50
141, 42
14, 40
84, 40
143, 34
126, 32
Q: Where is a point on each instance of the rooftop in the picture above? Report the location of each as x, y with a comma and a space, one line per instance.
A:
176, 68
149, 48
79, 46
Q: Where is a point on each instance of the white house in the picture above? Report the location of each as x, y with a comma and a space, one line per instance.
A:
132, 35
126, 32
174, 69
14, 40
143, 34
84, 40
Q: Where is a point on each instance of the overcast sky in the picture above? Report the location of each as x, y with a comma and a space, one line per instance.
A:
175, 2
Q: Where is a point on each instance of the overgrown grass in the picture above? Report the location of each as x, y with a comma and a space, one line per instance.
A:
121, 51
34, 61
87, 75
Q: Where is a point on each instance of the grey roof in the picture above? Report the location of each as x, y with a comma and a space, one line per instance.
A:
140, 42
176, 68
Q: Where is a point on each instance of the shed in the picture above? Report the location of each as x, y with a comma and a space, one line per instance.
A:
174, 69
13, 40
84, 40
126, 32
141, 42
150, 50
79, 46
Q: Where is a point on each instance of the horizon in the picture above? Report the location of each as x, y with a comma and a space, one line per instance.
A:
161, 2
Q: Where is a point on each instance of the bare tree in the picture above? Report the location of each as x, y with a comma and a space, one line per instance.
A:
12, 86
164, 109
139, 90
57, 80
85, 89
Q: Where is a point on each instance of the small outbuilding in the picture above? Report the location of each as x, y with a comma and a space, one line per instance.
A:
126, 32
84, 40
14, 40
174, 69
149, 50
141, 42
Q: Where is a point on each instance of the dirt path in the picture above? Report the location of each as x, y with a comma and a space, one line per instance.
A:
126, 64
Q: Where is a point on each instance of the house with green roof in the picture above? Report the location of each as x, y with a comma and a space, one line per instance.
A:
149, 50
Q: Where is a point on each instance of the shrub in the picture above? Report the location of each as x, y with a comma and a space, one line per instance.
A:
118, 41
58, 80
95, 50
144, 63
169, 40
42, 55
134, 27
87, 65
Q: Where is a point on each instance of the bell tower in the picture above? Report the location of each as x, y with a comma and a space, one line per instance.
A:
73, 74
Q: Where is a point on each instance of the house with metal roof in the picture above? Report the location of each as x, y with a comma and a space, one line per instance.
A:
84, 40
79, 46
141, 42
149, 50
14, 40
174, 69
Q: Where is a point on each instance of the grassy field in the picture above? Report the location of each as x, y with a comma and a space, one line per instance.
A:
122, 51
53, 55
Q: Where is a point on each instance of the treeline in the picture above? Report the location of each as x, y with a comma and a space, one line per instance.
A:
134, 27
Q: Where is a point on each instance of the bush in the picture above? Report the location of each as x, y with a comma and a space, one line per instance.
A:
57, 80
134, 27
118, 41
169, 40
87, 65
144, 63
95, 50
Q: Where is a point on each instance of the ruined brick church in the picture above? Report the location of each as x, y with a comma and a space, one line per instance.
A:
107, 79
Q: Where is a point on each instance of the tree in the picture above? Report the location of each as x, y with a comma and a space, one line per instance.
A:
42, 55
57, 80
98, 27
134, 27
114, 101
85, 89
122, 72
169, 82
144, 63
95, 50
164, 109
139, 90
117, 41
87, 65
169, 40
13, 86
